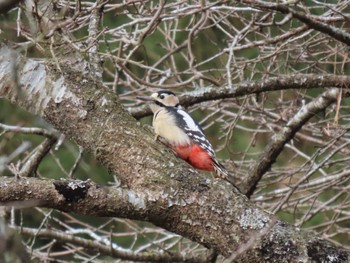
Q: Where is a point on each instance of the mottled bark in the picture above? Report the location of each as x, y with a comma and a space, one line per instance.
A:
158, 187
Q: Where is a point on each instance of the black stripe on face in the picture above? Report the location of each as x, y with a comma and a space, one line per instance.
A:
159, 103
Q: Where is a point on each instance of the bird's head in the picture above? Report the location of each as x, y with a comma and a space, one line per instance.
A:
161, 98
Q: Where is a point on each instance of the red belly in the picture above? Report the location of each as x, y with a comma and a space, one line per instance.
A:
196, 156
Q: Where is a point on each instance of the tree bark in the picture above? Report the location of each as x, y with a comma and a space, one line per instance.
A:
158, 187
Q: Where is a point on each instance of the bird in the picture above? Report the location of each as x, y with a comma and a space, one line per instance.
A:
182, 133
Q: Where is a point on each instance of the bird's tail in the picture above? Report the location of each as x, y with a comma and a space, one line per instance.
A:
220, 170
222, 173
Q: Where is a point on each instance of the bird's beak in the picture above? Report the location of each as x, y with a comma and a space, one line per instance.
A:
145, 98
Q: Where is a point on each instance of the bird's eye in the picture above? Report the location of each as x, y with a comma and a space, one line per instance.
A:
161, 96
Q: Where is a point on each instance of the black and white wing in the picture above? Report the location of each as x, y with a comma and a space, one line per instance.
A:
192, 129
195, 132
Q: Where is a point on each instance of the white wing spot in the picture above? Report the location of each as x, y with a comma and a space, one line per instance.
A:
202, 138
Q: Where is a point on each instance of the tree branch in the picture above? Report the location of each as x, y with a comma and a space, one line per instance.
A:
92, 41
83, 198
165, 190
329, 30
6, 5
109, 249
276, 145
90, 199
297, 81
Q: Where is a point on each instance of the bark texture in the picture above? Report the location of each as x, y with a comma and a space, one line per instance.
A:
158, 187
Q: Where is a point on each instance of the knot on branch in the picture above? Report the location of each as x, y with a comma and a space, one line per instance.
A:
72, 190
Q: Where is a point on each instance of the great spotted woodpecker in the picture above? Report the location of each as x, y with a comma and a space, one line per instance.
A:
183, 135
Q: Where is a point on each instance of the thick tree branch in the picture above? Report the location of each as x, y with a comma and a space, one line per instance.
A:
83, 198
90, 199
165, 190
297, 81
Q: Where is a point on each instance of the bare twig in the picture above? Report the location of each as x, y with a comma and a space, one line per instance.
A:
331, 31
276, 145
